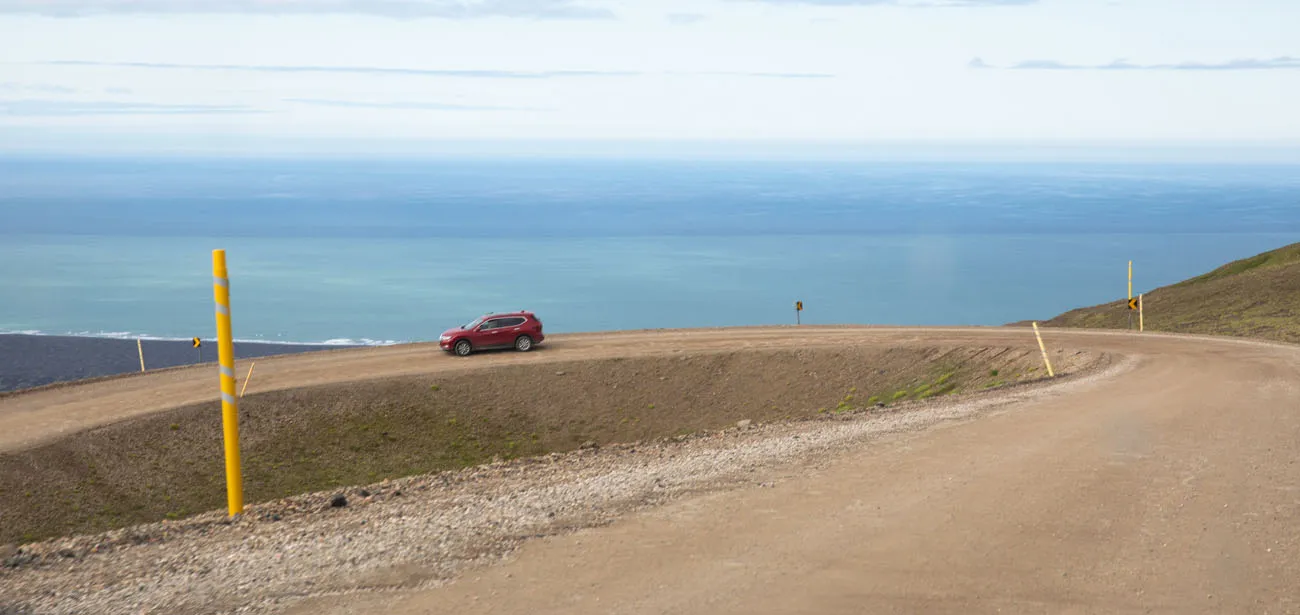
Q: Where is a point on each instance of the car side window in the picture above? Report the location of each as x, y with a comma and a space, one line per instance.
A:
491, 324
512, 322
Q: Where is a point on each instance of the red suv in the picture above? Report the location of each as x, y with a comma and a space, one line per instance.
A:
518, 330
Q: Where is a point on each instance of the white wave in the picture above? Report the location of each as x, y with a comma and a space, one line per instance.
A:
365, 341
128, 335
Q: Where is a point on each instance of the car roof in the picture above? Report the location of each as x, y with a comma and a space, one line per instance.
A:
507, 314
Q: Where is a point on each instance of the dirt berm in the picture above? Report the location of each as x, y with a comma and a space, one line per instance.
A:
169, 465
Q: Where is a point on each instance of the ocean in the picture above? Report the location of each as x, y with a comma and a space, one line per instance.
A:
381, 251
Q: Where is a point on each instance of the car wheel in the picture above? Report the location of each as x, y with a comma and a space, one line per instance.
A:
463, 348
524, 343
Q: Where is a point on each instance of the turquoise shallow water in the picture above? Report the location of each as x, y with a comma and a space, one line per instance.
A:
408, 289
399, 251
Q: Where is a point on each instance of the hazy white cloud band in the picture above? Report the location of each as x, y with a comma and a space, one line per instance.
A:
400, 9
1278, 63
424, 72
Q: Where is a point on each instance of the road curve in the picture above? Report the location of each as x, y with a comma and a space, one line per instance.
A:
30, 417
1170, 486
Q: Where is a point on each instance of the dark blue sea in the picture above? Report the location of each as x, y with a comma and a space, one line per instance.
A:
397, 250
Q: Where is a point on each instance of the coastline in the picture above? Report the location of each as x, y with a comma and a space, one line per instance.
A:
28, 360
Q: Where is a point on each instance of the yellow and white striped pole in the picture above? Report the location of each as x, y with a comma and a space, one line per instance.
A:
229, 403
1048, 363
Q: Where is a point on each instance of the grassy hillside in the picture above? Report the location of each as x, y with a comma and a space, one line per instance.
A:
1253, 297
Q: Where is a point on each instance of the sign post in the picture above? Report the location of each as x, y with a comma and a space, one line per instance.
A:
140, 348
1131, 307
229, 403
798, 308
199, 346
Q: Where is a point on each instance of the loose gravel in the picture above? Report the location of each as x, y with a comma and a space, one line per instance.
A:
425, 530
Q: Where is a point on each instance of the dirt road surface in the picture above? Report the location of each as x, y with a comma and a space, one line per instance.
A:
36, 415
1172, 486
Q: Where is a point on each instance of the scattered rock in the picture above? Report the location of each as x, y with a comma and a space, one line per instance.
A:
364, 493
18, 559
744, 424
880, 404
339, 501
590, 444
559, 373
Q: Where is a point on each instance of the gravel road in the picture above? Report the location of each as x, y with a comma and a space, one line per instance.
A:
425, 530
1164, 483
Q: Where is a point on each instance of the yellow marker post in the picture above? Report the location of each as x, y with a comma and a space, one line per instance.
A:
246, 379
1043, 348
1130, 295
229, 404
1141, 316
140, 347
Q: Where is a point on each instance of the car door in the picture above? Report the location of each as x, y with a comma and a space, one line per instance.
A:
512, 328
491, 334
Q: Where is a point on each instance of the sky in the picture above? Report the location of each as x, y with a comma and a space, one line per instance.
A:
350, 74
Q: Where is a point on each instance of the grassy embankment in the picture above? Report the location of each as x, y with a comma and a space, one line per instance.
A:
169, 465
1254, 297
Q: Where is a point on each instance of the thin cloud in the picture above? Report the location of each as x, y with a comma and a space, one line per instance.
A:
911, 3
1278, 63
421, 106
356, 70
422, 72
685, 19
43, 108
755, 75
43, 88
397, 9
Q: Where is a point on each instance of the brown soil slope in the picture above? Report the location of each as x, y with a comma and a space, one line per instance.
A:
168, 464
1254, 297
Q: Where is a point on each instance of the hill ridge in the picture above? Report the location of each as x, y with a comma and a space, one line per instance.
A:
1257, 296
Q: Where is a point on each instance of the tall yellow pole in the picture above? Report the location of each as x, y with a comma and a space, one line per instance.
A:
1141, 316
1130, 279
229, 403
1130, 295
1043, 348
140, 347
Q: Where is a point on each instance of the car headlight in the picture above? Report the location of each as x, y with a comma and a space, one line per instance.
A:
444, 338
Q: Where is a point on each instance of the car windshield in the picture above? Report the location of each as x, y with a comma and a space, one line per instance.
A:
474, 323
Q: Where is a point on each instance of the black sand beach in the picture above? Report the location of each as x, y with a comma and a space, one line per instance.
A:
34, 360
